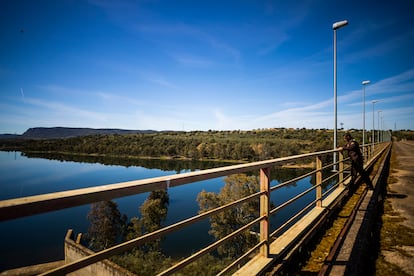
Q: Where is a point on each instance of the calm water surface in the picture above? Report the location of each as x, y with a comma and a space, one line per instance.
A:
39, 238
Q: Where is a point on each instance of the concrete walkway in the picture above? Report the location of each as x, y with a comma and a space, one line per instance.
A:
401, 197
402, 169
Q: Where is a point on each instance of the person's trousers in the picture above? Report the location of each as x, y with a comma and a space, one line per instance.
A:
357, 167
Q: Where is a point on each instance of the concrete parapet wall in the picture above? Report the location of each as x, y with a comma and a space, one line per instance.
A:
32, 269
75, 251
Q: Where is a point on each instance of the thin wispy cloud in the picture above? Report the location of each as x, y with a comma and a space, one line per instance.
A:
193, 61
22, 93
403, 82
161, 31
175, 31
405, 99
387, 90
68, 111
120, 100
63, 90
320, 113
223, 121
293, 104
358, 31
135, 17
158, 79
274, 38
378, 50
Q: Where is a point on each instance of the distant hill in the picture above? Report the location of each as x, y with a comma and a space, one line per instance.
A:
66, 132
10, 136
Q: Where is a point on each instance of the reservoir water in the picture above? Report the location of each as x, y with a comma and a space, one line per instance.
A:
39, 238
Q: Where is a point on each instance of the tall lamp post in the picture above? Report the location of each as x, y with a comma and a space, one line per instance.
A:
373, 124
364, 83
335, 27
379, 129
382, 127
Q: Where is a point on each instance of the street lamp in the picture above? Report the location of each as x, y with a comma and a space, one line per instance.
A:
364, 83
336, 26
379, 129
373, 124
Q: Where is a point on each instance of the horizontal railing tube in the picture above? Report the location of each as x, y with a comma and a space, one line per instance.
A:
31, 205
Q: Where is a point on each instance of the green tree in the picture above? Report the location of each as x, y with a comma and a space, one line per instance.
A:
106, 225
147, 259
224, 223
143, 263
154, 210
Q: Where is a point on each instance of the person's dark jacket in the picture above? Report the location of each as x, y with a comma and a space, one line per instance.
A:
353, 149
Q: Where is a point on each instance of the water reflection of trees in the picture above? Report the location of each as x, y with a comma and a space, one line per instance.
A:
162, 164
278, 174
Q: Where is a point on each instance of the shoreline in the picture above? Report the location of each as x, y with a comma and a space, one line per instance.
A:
310, 165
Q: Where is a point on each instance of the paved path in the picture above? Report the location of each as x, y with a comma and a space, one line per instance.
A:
402, 169
402, 201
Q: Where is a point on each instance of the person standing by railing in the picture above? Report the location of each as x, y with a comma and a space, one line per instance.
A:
357, 160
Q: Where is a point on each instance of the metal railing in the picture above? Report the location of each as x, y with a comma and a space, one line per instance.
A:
27, 206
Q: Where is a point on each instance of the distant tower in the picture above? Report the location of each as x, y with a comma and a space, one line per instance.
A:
342, 125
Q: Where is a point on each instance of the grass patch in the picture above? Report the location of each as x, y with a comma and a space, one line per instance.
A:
393, 232
318, 255
393, 236
384, 268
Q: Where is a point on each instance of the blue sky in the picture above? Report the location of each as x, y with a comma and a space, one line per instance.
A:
200, 65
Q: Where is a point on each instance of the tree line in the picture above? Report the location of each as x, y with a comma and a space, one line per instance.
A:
234, 145
195, 145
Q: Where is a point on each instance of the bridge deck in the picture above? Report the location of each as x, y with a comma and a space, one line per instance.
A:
352, 255
281, 244
401, 169
298, 232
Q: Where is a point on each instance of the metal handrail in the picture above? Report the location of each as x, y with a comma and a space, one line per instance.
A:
293, 218
281, 185
293, 199
31, 205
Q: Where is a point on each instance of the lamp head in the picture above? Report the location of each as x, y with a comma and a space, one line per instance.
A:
365, 82
339, 24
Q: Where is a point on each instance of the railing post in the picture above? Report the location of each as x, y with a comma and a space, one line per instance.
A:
264, 209
373, 148
318, 181
341, 168
371, 152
